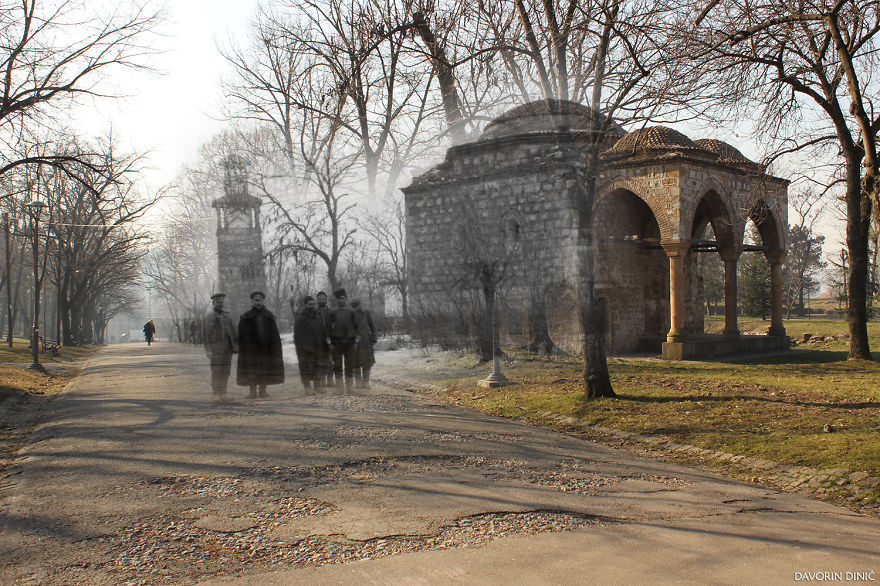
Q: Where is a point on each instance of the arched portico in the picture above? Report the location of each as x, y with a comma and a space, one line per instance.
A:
632, 271
774, 251
712, 210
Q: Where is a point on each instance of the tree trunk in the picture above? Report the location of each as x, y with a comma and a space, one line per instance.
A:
404, 303
66, 330
858, 222
597, 380
445, 77
487, 339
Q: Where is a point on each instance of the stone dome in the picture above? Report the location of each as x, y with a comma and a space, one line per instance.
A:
544, 116
654, 139
726, 152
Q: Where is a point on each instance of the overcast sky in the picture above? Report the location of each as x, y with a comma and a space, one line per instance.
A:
171, 112
174, 110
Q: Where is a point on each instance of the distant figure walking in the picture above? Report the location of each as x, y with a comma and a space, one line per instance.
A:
308, 336
342, 338
149, 332
221, 342
260, 362
365, 339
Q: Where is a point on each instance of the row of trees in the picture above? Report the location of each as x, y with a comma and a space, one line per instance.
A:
88, 250
53, 54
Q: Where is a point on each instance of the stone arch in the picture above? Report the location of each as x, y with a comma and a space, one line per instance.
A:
654, 203
712, 207
632, 271
767, 222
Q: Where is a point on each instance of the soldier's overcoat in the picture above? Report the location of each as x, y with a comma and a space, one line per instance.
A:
221, 339
260, 361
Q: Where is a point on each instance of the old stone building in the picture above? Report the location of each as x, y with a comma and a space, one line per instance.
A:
241, 268
505, 202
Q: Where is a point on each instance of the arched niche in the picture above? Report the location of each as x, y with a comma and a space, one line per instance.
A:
656, 204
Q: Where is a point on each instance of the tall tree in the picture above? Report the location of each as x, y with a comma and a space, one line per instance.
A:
806, 69
54, 52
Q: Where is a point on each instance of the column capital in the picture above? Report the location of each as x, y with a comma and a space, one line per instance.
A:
775, 256
675, 248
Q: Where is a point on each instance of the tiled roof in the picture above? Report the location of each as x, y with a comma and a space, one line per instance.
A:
726, 153
651, 139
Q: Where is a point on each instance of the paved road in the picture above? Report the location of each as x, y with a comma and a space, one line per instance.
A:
137, 475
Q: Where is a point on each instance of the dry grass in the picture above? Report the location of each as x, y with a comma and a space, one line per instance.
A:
16, 378
774, 407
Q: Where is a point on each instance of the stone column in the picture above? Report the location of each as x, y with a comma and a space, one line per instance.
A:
776, 258
730, 256
677, 253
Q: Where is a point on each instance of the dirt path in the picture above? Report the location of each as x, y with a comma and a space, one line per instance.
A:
137, 475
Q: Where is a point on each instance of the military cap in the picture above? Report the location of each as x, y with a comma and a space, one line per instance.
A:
218, 296
260, 293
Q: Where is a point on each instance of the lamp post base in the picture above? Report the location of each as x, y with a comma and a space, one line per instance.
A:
495, 379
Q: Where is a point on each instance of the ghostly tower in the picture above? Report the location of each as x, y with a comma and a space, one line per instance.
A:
239, 238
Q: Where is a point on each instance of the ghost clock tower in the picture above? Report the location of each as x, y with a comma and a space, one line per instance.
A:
239, 239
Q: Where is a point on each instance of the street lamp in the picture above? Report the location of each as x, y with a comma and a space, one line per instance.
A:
35, 207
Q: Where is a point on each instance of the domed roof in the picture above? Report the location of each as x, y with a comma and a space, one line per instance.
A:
653, 139
544, 116
726, 153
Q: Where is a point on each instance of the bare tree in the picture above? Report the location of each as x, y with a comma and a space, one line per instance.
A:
370, 86
52, 53
388, 233
319, 222
94, 240
485, 251
807, 70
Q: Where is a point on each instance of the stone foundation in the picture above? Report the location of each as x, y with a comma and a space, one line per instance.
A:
711, 346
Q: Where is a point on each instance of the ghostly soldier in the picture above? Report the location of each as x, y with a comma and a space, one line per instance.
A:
221, 342
260, 361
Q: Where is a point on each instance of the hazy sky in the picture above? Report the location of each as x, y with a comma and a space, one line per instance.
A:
172, 111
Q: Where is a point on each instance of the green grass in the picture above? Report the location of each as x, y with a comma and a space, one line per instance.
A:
773, 407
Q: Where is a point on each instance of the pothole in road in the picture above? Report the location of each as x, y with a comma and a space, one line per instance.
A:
568, 475
165, 547
231, 524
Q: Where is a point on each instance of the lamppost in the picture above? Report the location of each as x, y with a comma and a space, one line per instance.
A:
7, 230
35, 207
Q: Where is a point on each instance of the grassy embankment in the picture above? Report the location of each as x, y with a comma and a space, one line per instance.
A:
774, 407
16, 379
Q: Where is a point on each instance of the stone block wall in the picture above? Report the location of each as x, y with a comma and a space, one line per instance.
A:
516, 192
507, 201
633, 275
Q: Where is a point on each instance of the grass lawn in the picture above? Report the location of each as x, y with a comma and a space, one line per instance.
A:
773, 407
16, 379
